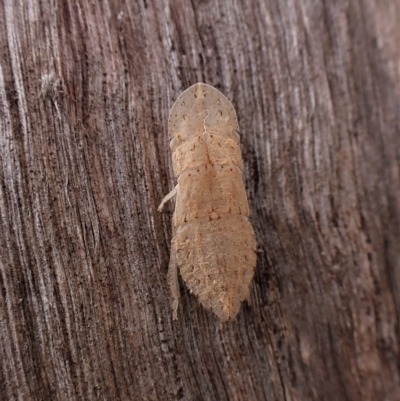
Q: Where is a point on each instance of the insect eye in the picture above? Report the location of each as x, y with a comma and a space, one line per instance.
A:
236, 135
174, 143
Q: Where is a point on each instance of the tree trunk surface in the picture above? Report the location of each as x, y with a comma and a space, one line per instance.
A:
85, 92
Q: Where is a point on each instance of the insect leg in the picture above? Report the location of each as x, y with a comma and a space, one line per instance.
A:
173, 281
168, 197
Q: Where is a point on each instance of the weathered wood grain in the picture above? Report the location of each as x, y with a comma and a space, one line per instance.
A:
85, 92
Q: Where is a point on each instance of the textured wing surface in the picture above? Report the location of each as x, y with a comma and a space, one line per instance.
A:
216, 259
210, 191
206, 149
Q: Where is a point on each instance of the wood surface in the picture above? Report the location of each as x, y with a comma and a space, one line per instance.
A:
85, 92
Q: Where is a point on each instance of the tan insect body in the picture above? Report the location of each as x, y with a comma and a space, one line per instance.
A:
214, 243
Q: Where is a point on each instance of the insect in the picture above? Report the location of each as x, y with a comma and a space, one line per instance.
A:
213, 241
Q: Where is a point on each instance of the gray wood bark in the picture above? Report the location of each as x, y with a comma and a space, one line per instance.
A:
85, 92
